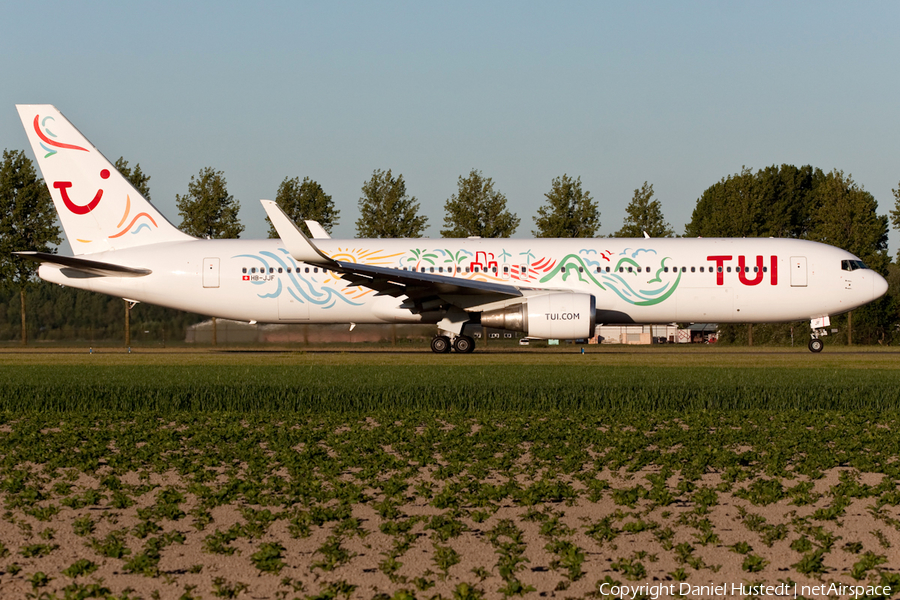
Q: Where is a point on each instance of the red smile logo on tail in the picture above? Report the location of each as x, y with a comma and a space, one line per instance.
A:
63, 187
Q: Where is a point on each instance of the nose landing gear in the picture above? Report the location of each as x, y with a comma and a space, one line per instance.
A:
819, 328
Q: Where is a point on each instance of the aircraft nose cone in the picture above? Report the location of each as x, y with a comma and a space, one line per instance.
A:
879, 286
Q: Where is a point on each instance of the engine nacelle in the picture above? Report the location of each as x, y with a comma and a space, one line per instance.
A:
561, 316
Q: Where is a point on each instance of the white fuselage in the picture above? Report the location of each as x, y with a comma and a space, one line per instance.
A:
633, 280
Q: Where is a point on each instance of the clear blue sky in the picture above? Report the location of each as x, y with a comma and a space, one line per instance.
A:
679, 94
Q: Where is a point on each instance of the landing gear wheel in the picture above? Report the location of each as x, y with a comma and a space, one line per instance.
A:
816, 345
440, 344
463, 344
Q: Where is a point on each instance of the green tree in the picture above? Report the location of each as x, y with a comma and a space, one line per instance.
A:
63, 313
305, 200
644, 215
478, 209
775, 201
569, 211
386, 210
845, 216
208, 210
135, 176
805, 203
895, 214
27, 222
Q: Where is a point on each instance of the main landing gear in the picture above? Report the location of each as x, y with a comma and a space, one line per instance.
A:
463, 344
816, 345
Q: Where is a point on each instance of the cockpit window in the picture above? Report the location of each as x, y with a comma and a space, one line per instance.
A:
852, 265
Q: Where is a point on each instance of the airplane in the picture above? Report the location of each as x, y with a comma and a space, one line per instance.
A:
546, 288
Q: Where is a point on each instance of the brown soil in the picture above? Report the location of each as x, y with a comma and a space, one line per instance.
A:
681, 541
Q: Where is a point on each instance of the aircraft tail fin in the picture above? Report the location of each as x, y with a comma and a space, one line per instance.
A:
99, 209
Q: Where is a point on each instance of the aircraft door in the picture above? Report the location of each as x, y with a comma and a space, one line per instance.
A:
291, 309
210, 272
798, 271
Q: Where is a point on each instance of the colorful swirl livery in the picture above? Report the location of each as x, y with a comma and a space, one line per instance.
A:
545, 288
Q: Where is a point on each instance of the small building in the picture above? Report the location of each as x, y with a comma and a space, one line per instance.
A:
699, 333
635, 334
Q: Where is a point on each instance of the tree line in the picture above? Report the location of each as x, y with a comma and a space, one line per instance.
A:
778, 201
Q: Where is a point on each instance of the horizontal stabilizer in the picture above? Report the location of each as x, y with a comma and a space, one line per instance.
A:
92, 267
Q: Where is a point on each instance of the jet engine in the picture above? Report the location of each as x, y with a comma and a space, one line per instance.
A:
563, 316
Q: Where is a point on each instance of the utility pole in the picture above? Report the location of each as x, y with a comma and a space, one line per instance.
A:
127, 324
22, 314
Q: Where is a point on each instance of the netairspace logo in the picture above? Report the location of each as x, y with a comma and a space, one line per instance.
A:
731, 590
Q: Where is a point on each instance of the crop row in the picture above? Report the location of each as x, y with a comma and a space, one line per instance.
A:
452, 442
135, 487
363, 389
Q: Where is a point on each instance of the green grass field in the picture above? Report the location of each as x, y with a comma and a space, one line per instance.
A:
564, 379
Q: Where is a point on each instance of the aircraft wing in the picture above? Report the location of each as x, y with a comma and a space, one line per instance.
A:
418, 287
318, 232
90, 267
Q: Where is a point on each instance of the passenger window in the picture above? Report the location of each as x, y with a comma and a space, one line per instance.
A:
581, 269
253, 270
562, 270
494, 270
728, 269
244, 270
306, 270
440, 269
630, 270
665, 269
719, 269
315, 269
684, 269
692, 269
431, 269
279, 269
701, 269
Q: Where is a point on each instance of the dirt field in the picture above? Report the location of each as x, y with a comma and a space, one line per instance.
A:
166, 545
449, 504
